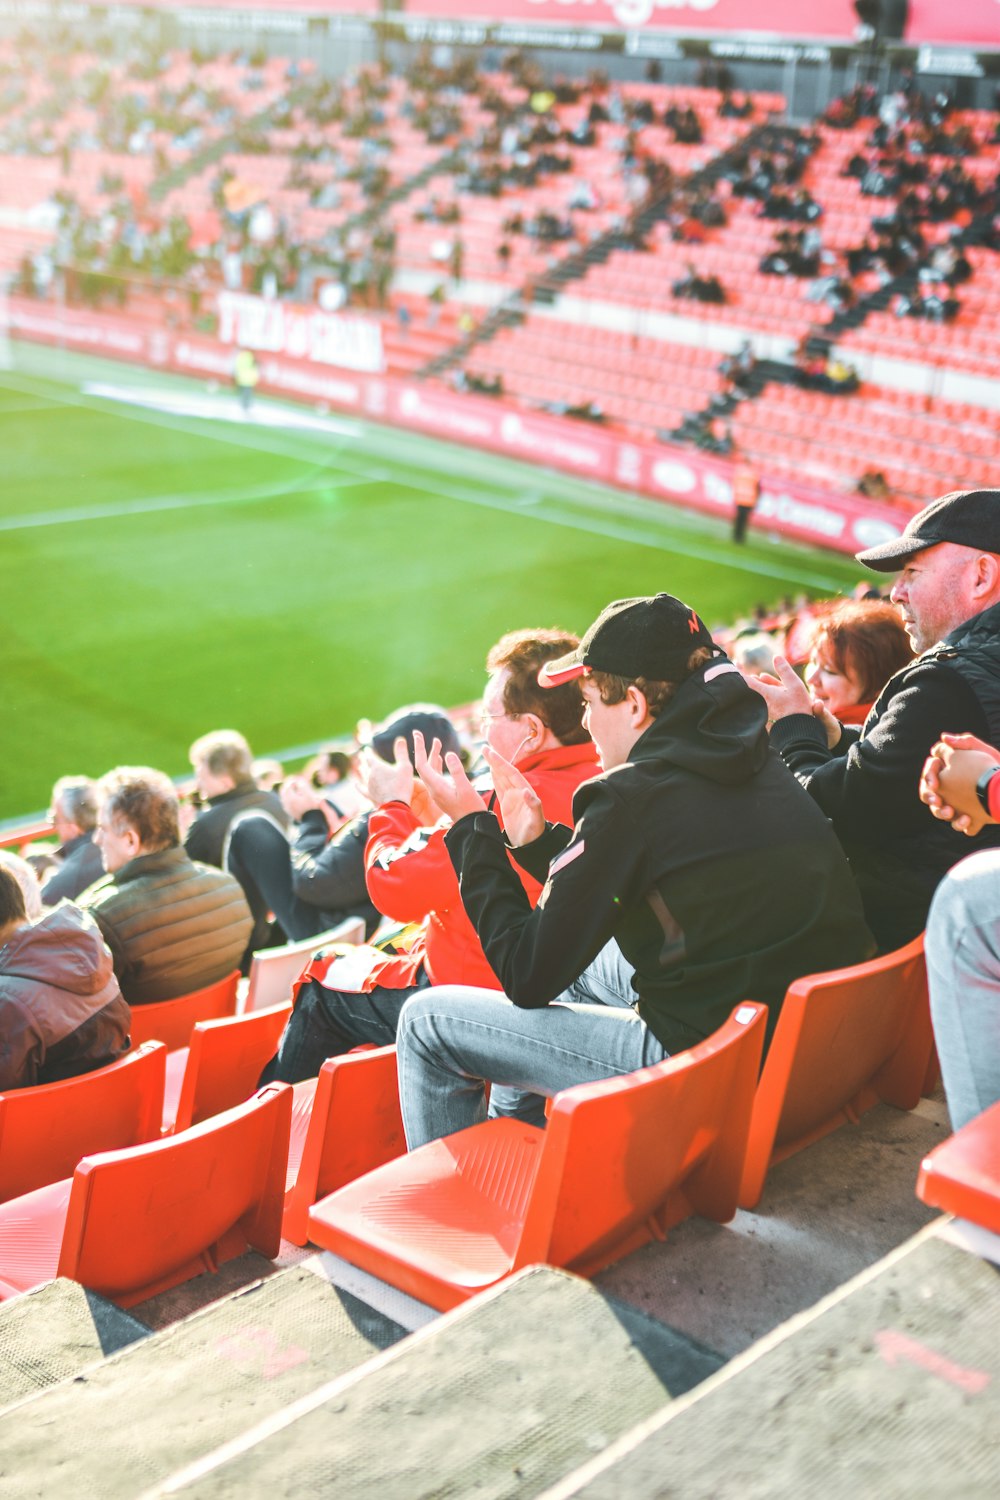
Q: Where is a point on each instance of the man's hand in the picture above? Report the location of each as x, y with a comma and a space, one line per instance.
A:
299, 796
382, 781
832, 726
948, 781
520, 808
784, 694
447, 783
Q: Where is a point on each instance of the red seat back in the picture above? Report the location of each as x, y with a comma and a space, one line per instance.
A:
843, 1041
224, 1062
353, 1126
143, 1220
172, 1021
45, 1130
962, 1175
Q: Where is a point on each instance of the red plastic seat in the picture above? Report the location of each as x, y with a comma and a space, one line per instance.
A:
345, 1123
172, 1021
962, 1175
222, 1065
45, 1130
132, 1223
844, 1041
620, 1162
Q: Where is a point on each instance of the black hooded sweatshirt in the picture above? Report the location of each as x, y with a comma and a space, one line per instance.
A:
718, 876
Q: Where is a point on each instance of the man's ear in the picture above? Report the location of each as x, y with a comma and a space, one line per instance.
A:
986, 584
636, 698
534, 729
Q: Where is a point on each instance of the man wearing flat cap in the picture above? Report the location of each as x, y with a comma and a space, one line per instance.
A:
694, 851
866, 781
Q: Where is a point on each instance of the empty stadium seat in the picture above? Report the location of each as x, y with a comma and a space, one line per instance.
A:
273, 971
844, 1040
345, 1123
132, 1223
45, 1130
621, 1161
172, 1021
222, 1065
962, 1175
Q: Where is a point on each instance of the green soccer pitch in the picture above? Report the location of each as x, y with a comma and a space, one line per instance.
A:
166, 568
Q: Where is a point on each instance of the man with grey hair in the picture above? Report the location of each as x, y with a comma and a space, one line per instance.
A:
172, 925
948, 592
77, 863
223, 769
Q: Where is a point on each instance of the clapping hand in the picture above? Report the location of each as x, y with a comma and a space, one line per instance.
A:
520, 808
948, 781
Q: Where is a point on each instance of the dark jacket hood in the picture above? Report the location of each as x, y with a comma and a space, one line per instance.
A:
64, 949
715, 725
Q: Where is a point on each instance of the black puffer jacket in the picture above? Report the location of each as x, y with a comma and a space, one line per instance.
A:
868, 785
718, 877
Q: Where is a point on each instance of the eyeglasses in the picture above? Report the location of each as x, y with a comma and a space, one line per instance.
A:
486, 718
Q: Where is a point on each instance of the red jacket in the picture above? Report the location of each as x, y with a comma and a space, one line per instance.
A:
411, 877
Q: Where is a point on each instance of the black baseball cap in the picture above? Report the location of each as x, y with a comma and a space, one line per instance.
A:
432, 721
970, 518
649, 637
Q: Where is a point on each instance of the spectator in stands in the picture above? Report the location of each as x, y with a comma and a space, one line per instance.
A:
223, 770
409, 873
331, 772
77, 862
26, 878
864, 780
961, 786
857, 647
172, 925
61, 1011
688, 804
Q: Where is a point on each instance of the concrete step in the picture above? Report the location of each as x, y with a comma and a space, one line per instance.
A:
498, 1398
126, 1423
891, 1386
55, 1332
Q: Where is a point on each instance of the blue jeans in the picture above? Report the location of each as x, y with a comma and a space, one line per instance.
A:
607, 980
326, 1023
963, 971
453, 1037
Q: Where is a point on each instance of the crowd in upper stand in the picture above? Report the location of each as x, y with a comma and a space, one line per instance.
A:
655, 830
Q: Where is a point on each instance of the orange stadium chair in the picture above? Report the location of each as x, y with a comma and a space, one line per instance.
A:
45, 1130
172, 1021
844, 1041
221, 1065
962, 1175
620, 1163
132, 1223
273, 971
345, 1123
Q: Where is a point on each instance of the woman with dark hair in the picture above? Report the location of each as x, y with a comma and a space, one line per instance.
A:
856, 648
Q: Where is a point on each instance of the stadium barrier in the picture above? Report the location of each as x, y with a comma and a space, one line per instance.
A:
798, 510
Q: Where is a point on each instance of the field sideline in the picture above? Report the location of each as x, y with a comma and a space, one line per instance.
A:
166, 568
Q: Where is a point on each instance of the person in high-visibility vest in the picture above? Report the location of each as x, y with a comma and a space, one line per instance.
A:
746, 491
246, 374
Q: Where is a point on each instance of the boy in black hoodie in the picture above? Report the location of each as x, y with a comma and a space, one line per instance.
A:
695, 850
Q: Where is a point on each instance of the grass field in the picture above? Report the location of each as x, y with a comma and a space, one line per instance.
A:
163, 572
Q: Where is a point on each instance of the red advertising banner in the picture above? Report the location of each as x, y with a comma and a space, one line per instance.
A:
973, 23
785, 18
679, 476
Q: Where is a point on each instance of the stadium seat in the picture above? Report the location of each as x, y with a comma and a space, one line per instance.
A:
844, 1040
44, 1131
345, 1123
172, 1021
962, 1175
273, 971
621, 1161
132, 1223
221, 1066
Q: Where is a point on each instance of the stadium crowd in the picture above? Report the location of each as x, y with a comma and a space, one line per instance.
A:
656, 830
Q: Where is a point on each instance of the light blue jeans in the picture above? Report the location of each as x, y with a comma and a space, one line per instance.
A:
607, 980
963, 970
453, 1037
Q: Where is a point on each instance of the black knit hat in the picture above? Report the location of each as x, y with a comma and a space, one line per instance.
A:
432, 722
971, 518
647, 637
